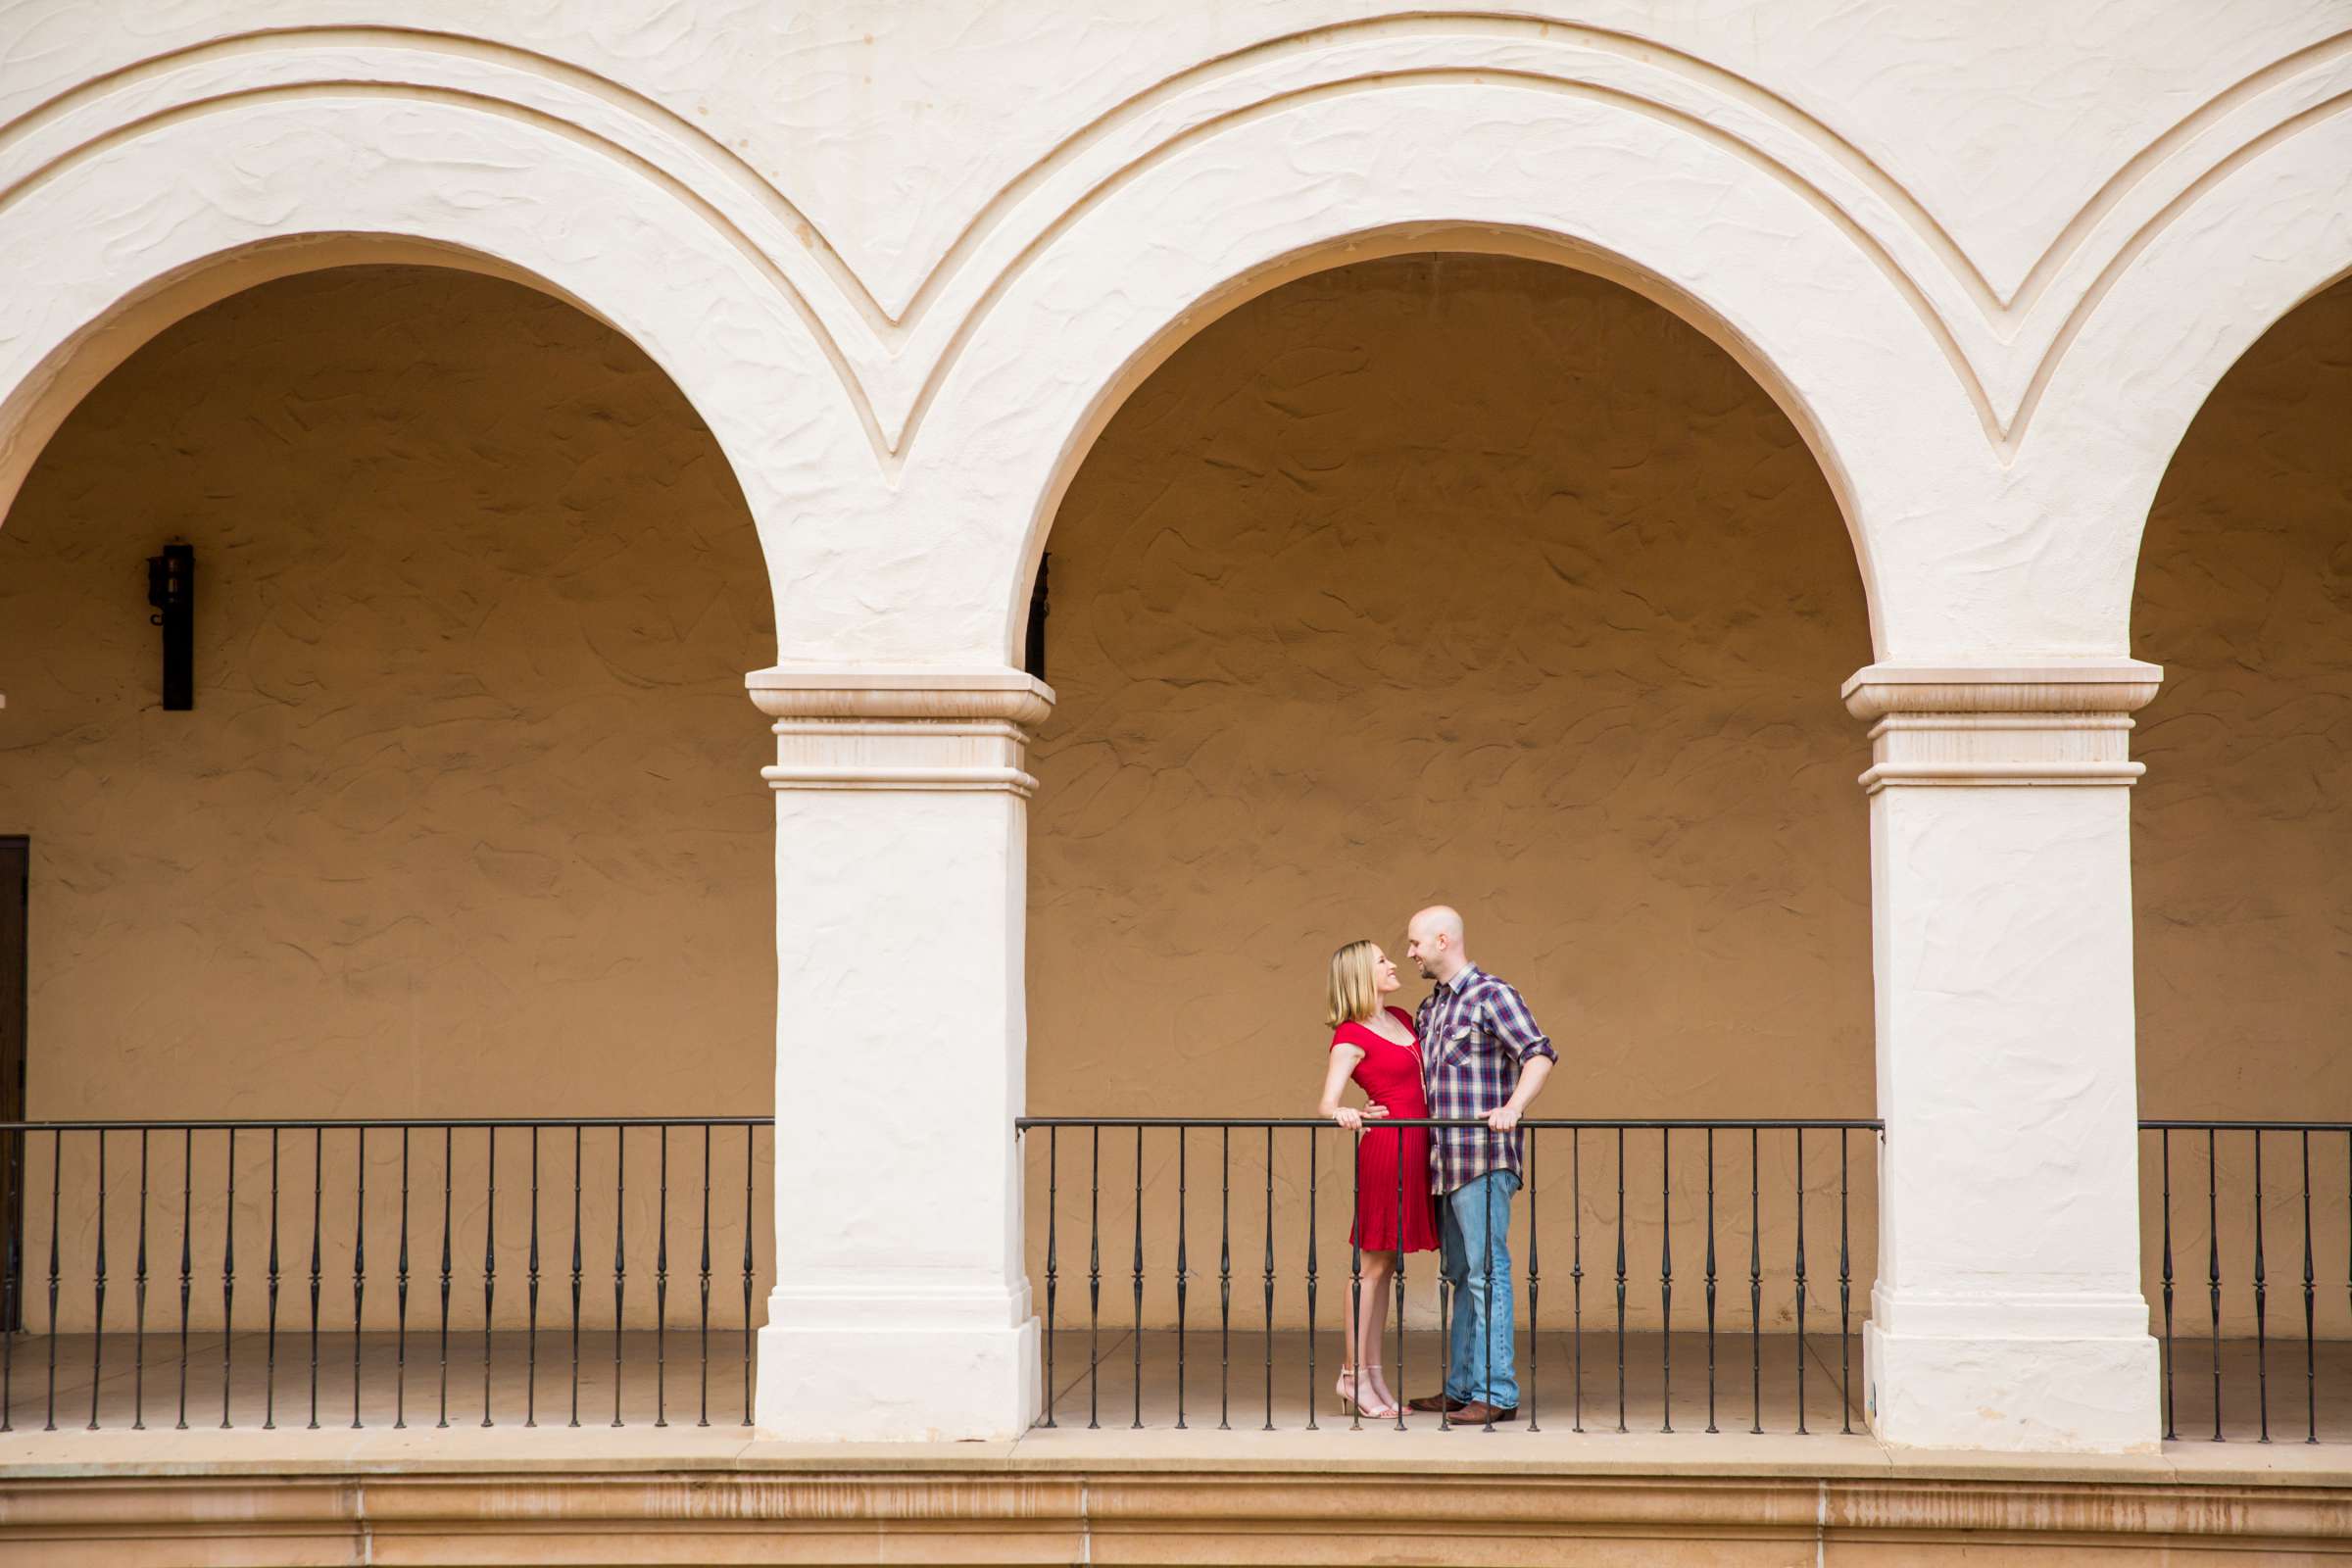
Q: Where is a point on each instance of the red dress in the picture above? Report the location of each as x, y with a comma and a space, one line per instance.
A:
1389, 1075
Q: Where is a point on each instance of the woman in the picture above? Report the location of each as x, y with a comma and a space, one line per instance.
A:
1375, 1046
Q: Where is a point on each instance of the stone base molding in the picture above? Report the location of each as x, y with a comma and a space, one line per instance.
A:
754, 1512
901, 1309
2007, 1312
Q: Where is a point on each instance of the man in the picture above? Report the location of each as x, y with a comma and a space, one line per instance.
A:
1485, 1060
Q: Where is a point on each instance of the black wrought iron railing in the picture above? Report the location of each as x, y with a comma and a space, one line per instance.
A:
1711, 1272
533, 1270
2247, 1242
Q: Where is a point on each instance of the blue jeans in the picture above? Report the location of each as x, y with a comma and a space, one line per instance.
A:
1476, 1230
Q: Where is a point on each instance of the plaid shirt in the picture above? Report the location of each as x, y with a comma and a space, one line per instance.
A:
1475, 1035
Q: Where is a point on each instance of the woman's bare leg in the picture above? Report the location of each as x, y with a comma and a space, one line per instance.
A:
1380, 1270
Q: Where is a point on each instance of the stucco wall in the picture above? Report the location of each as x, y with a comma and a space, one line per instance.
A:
2241, 831
1465, 579
467, 817
2243, 828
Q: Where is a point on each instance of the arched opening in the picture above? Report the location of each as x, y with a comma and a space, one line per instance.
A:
464, 821
1461, 578
2241, 829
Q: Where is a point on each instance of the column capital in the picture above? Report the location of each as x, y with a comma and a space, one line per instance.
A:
901, 692
2087, 686
924, 729
1973, 726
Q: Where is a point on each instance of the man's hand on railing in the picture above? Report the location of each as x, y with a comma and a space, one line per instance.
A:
1502, 1118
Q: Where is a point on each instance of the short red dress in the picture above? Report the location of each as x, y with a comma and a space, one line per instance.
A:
1389, 1075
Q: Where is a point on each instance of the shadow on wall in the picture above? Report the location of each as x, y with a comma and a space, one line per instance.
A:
1456, 577
467, 820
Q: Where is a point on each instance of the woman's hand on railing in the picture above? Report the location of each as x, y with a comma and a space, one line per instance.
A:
1349, 1117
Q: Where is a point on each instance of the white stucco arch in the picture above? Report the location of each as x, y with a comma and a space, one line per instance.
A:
1737, 244
2272, 227
114, 238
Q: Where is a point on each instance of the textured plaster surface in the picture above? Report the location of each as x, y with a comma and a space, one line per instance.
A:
1460, 578
903, 280
467, 821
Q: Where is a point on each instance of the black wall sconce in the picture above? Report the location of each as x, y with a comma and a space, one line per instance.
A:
171, 590
1033, 651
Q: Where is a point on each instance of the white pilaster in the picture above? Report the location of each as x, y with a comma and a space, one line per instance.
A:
2007, 1312
901, 1308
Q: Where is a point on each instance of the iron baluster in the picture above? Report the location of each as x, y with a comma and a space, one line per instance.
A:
1711, 1427
1576, 1273
449, 1147
2311, 1366
228, 1276
98, 1300
2213, 1271
578, 1273
1225, 1279
1800, 1282
359, 1269
1269, 1279
1053, 1258
400, 1342
188, 1258
1353, 1370
621, 1268
530, 1375
1845, 1298
747, 1275
662, 1292
1621, 1279
1666, 1276
1094, 1286
1313, 1175
2262, 1347
1755, 1291
1136, 1347
138, 1376
57, 1173
703, 1321
1397, 1134
489, 1257
1535, 1335
2165, 1141
1183, 1269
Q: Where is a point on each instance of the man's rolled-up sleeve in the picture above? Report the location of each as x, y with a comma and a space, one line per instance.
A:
1516, 1026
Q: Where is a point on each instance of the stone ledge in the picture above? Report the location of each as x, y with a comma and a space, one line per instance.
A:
759, 1505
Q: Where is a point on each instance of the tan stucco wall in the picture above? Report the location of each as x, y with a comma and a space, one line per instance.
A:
2241, 831
1449, 578
467, 818
2243, 828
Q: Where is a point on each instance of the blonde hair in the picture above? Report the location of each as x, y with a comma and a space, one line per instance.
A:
1355, 996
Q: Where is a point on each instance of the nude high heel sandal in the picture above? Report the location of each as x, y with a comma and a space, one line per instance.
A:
1359, 1394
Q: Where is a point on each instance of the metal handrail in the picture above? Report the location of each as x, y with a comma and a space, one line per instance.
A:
371, 1123
1526, 1124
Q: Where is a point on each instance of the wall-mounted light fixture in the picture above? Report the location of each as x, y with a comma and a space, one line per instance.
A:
1033, 650
171, 590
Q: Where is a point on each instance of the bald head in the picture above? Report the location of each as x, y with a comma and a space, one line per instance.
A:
1433, 940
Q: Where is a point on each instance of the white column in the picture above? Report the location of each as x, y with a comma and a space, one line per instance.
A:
2007, 1312
901, 1308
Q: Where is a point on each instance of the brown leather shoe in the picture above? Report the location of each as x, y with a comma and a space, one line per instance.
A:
1478, 1413
1432, 1404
